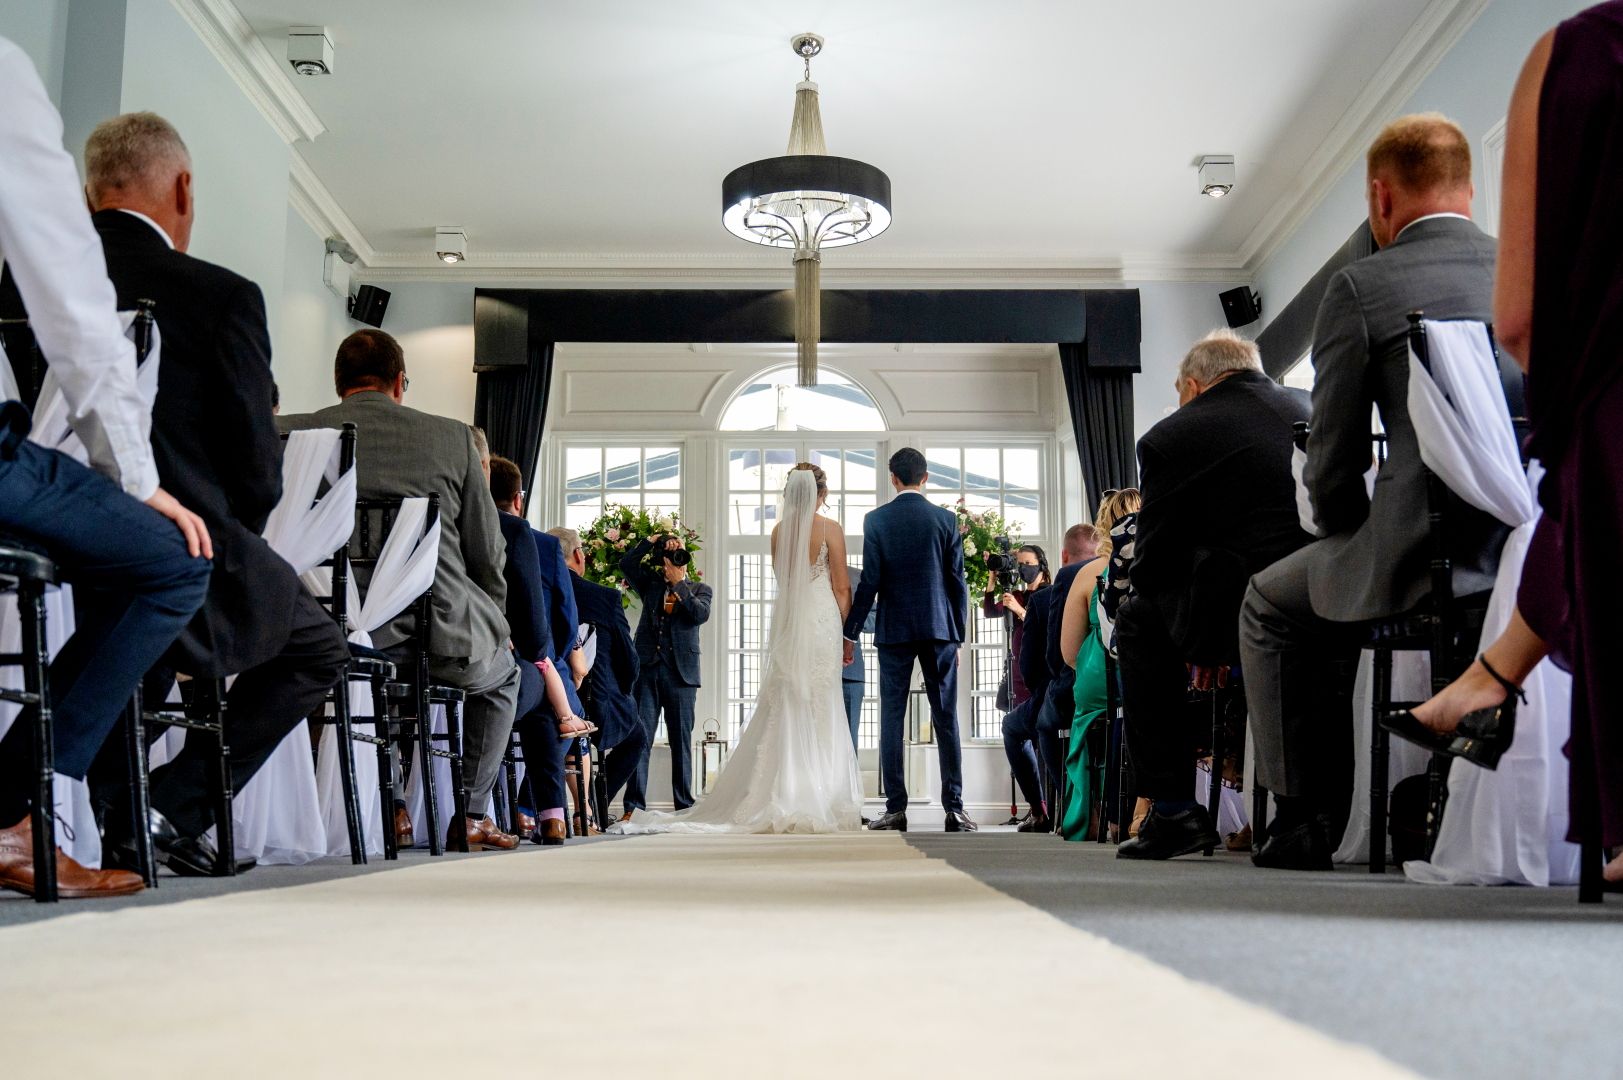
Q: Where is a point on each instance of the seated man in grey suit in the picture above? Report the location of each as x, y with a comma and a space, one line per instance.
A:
1304, 617
403, 452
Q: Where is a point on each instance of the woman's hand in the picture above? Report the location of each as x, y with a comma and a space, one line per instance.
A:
1013, 606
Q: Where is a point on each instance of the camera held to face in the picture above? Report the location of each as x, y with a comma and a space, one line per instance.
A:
678, 556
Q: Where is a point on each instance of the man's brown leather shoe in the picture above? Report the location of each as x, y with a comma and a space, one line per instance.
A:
482, 836
553, 832
74, 880
403, 836
526, 825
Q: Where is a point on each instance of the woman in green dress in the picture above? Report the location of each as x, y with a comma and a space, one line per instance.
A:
1081, 639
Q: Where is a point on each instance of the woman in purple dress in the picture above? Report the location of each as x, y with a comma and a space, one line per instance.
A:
1558, 309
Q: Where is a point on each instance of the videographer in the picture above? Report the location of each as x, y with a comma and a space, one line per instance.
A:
1016, 590
673, 609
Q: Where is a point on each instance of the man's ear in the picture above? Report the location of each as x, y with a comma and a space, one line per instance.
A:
183, 193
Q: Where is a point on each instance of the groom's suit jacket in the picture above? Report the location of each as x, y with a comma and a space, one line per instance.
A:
913, 563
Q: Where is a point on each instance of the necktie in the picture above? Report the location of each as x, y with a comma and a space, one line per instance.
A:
670, 601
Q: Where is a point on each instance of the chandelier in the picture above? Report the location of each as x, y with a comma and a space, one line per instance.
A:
804, 202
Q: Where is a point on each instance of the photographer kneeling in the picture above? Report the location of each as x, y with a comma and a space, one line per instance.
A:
1018, 589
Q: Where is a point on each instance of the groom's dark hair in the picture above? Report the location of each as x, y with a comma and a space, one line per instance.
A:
907, 465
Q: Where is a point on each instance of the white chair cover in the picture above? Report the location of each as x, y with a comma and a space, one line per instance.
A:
8, 378
405, 570
1505, 826
75, 822
1411, 681
277, 814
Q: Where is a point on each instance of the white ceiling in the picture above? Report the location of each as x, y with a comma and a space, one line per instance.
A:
577, 133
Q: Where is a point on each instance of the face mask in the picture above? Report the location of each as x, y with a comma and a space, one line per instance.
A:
1029, 574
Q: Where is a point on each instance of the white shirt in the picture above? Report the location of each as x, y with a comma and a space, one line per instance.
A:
1406, 228
56, 258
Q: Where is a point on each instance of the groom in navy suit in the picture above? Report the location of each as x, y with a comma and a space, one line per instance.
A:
913, 563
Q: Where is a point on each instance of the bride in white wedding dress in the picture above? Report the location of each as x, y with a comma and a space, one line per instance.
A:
794, 769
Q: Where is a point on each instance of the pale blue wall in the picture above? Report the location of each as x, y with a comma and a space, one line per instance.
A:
40, 28
1175, 315
1472, 85
239, 162
314, 320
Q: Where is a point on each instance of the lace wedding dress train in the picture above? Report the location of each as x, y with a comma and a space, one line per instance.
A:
794, 769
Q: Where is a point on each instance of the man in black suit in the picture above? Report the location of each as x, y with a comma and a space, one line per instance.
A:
673, 609
217, 449
1219, 505
541, 614
611, 683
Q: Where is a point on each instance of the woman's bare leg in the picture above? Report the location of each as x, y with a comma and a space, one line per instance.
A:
1514, 655
558, 698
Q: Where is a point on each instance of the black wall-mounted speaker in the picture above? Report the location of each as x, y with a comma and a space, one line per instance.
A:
1241, 307
368, 305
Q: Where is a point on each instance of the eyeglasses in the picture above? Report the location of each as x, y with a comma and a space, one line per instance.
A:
405, 383
1109, 493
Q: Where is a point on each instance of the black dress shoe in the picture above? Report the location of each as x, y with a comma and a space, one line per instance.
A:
1303, 847
187, 856
958, 821
1033, 823
1166, 836
896, 822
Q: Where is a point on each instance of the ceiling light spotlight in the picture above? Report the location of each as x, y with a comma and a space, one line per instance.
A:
1216, 172
309, 50
450, 243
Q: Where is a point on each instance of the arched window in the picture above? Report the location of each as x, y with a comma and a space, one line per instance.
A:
772, 402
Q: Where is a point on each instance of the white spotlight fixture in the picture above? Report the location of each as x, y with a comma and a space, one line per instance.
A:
1216, 172
309, 50
450, 243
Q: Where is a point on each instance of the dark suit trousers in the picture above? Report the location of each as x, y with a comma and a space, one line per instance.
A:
1299, 674
1020, 746
1155, 693
661, 690
134, 587
544, 748
939, 662
264, 704
621, 761
1057, 711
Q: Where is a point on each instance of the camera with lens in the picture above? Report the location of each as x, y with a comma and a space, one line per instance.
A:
678, 556
1005, 565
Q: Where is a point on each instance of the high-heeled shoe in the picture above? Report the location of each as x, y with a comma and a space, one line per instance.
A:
1481, 737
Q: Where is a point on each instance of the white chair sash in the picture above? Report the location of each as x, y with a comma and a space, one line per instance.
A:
76, 823
53, 428
8, 378
278, 815
404, 571
1506, 826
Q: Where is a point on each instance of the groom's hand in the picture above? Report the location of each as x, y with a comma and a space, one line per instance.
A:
850, 652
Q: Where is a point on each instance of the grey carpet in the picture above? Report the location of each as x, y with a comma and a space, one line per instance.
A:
1452, 982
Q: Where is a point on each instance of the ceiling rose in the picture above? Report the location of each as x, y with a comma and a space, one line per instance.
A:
805, 201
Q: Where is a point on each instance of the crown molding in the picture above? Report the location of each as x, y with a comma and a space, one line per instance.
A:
252, 67
752, 271
310, 197
1437, 30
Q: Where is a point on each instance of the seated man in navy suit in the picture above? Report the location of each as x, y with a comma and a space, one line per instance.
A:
611, 681
541, 614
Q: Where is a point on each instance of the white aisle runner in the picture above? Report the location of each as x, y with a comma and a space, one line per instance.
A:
746, 957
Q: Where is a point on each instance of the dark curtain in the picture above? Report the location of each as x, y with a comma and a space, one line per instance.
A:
511, 405
1101, 402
